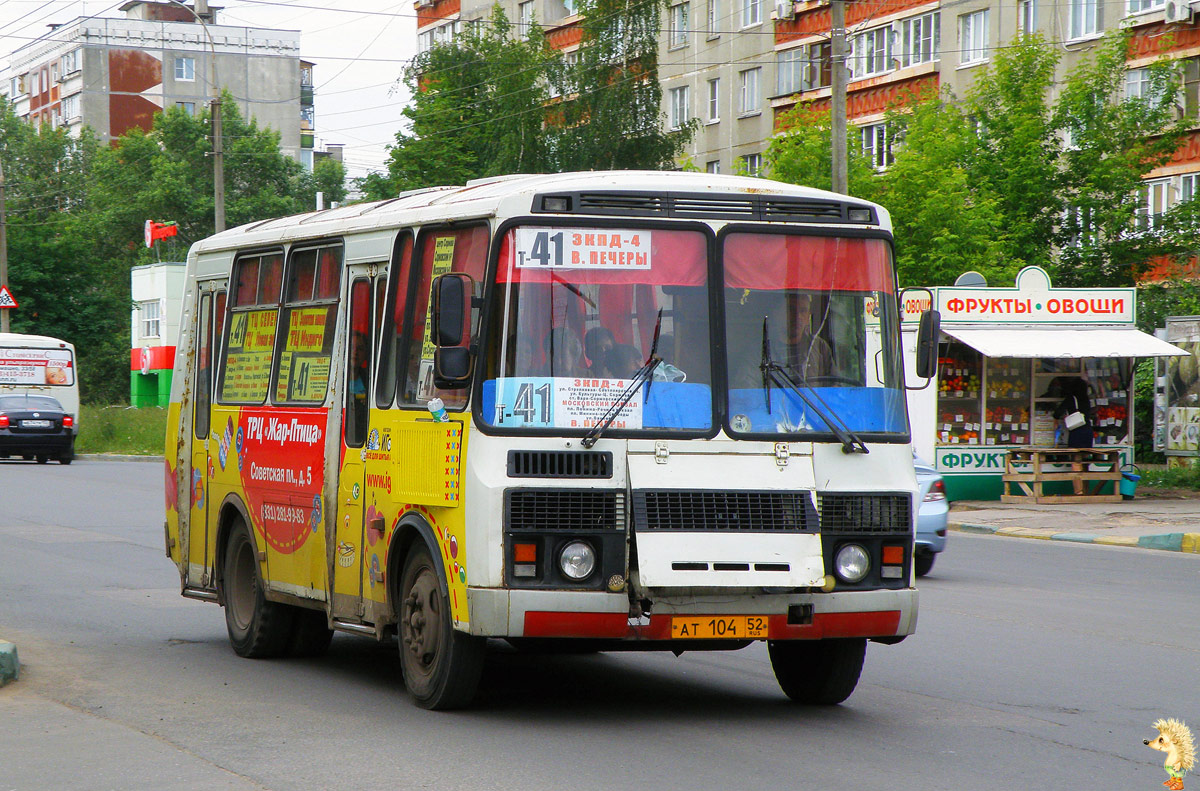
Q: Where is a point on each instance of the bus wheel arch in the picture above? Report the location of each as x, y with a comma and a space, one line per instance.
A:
257, 627
231, 514
441, 665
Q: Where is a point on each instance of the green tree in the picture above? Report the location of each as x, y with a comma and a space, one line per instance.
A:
800, 154
611, 115
328, 177
1114, 143
942, 222
476, 110
64, 288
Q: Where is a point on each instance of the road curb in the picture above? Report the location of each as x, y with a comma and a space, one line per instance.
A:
10, 665
1170, 542
115, 457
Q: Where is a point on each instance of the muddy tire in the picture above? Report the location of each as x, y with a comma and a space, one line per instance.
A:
441, 665
817, 672
257, 628
310, 635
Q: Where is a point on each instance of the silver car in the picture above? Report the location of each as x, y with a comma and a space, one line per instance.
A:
932, 517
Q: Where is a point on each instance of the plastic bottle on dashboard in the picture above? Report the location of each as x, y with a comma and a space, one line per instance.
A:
437, 409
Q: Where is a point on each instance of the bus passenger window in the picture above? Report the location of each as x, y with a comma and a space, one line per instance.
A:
200, 415
309, 319
391, 347
358, 365
246, 358
460, 250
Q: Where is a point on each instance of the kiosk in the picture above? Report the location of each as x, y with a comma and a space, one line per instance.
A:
1004, 354
1177, 394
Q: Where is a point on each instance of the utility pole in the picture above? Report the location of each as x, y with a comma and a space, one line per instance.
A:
218, 167
837, 53
3, 248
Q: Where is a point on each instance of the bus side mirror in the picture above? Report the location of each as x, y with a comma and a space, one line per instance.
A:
927, 344
450, 317
451, 313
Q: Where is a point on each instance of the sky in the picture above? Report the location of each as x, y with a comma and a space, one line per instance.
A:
359, 49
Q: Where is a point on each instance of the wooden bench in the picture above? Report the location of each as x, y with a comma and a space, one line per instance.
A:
1027, 470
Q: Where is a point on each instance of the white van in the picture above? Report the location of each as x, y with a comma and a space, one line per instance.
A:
40, 365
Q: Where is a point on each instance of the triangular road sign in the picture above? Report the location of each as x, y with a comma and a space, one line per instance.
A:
7, 300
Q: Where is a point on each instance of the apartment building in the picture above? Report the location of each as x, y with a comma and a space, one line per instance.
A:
739, 65
113, 74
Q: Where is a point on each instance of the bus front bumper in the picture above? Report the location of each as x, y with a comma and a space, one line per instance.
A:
879, 614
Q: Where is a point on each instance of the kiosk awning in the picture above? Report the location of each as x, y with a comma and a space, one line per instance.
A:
1064, 342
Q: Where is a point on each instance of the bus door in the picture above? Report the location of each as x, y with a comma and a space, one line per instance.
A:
209, 315
365, 292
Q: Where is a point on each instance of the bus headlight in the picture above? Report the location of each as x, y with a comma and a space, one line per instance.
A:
851, 563
577, 560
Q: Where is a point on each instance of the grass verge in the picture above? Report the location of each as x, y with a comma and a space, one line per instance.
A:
121, 429
1178, 478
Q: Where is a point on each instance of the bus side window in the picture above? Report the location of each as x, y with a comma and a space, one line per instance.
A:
392, 321
245, 371
459, 250
358, 366
309, 321
203, 397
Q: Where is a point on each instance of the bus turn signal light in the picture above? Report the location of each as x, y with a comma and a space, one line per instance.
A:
893, 555
524, 560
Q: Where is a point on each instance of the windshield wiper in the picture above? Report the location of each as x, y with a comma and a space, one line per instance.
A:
771, 370
642, 375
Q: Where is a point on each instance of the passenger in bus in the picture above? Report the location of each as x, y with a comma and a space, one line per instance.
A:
624, 361
358, 380
807, 355
597, 343
563, 353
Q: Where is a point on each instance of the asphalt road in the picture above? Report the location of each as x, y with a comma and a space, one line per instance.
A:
1035, 665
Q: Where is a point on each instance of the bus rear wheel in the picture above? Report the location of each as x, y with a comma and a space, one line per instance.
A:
257, 628
818, 672
441, 665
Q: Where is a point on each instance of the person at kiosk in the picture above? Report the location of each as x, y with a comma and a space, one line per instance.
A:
1076, 403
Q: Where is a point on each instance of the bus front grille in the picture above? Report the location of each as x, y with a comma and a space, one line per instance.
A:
742, 511
864, 514
559, 464
564, 509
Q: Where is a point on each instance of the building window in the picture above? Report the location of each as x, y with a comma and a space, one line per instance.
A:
678, 36
70, 62
751, 12
1027, 16
680, 112
1154, 198
1141, 6
871, 52
1138, 85
525, 18
35, 83
714, 100
1188, 184
752, 164
818, 71
713, 167
711, 17
920, 39
749, 102
1085, 18
973, 36
187, 107
70, 107
790, 65
185, 69
877, 146
151, 315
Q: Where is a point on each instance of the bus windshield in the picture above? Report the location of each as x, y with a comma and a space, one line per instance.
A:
801, 306
579, 310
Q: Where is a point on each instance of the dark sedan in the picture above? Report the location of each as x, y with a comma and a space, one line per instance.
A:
36, 427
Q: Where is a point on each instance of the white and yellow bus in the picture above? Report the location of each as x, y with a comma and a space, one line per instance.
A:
617, 410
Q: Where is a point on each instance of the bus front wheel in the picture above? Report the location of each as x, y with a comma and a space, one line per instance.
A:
257, 628
818, 672
441, 665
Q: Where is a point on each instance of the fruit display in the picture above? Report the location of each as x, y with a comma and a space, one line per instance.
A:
1007, 378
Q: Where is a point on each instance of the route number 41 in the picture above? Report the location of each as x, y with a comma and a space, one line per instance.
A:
533, 404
